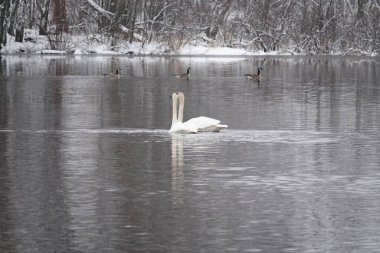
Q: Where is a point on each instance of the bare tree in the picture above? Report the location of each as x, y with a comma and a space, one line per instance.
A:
12, 19
60, 16
317, 26
43, 7
110, 16
4, 21
218, 14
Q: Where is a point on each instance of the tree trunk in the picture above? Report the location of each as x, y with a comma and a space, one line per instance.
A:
12, 20
44, 16
4, 14
19, 34
132, 21
266, 10
360, 12
60, 16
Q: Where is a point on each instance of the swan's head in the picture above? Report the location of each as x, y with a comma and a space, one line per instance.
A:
174, 96
181, 97
177, 93
260, 68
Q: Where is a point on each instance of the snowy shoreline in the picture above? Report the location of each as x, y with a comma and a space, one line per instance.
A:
221, 53
79, 45
207, 52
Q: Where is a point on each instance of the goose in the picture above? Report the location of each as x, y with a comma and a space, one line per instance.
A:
117, 74
200, 124
254, 76
184, 75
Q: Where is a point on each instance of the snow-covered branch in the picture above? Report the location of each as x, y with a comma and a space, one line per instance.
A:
316, 26
99, 9
109, 16
159, 13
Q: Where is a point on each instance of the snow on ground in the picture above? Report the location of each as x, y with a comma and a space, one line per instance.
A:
77, 47
212, 51
100, 45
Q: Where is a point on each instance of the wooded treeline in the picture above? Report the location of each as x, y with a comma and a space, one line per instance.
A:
305, 26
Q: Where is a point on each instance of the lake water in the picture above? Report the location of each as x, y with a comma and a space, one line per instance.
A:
88, 165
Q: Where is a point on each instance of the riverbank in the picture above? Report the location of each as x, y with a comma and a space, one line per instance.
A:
99, 45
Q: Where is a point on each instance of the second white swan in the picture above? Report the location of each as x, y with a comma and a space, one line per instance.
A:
177, 125
199, 124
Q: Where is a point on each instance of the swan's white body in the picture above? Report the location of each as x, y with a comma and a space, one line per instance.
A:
194, 125
183, 128
206, 124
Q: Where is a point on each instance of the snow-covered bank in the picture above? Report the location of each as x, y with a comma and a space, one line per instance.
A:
226, 51
84, 45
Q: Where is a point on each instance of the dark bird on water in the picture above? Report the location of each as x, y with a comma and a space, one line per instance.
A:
255, 76
184, 75
116, 74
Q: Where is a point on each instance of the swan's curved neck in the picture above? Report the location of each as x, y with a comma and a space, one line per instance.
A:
178, 110
181, 98
258, 71
174, 118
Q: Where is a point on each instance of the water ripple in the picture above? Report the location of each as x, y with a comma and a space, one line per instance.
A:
244, 136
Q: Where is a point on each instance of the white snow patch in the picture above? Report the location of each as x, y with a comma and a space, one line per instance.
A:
52, 52
99, 44
203, 50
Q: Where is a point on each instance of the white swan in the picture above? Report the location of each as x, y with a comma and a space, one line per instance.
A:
177, 125
200, 124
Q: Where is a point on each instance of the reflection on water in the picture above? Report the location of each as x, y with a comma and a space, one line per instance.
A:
88, 165
177, 169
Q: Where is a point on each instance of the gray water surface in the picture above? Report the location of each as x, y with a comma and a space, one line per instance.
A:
88, 165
